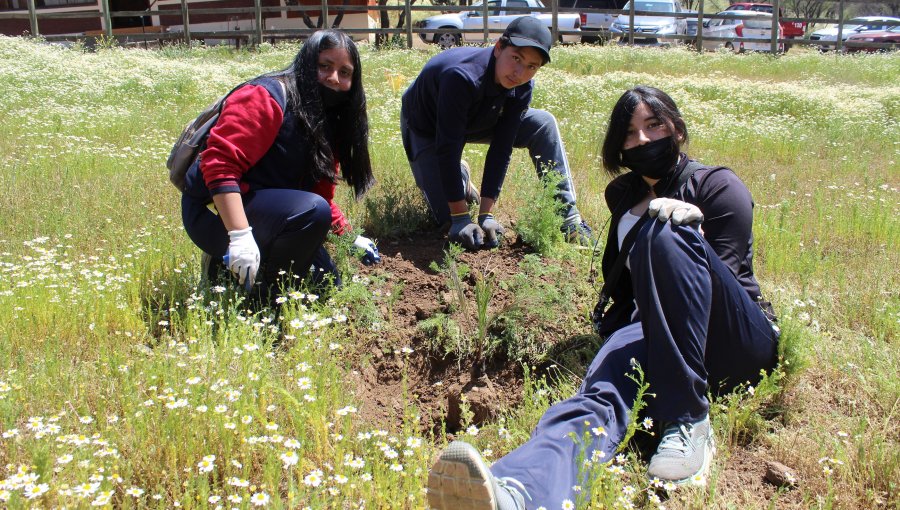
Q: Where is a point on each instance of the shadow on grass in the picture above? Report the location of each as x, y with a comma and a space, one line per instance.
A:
164, 294
573, 355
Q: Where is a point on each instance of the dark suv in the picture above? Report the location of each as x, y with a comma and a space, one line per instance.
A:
594, 21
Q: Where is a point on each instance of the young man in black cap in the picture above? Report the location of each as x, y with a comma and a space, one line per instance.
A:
481, 95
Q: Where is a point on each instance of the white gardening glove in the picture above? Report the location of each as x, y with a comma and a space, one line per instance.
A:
369, 250
681, 213
242, 257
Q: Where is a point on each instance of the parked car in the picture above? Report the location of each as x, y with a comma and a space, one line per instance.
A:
691, 23
594, 21
760, 27
729, 26
862, 24
498, 19
790, 29
649, 29
891, 35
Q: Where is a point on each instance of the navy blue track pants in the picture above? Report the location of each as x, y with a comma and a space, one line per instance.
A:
289, 227
697, 329
539, 133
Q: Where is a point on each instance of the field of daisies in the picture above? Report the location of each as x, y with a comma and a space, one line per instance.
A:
126, 383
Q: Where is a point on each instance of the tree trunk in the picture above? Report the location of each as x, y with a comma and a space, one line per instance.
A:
381, 39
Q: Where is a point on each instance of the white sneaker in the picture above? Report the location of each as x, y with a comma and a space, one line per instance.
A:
684, 454
472, 195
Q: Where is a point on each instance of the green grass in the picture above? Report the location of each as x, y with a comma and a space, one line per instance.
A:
113, 361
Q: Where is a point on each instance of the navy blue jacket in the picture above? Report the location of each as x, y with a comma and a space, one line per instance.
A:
453, 100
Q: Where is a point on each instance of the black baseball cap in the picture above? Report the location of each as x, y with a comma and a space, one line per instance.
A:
530, 31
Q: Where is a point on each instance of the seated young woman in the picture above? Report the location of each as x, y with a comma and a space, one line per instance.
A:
686, 307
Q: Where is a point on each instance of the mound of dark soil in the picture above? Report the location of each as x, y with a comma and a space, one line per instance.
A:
386, 379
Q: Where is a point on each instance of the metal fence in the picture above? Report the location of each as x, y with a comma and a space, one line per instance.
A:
407, 31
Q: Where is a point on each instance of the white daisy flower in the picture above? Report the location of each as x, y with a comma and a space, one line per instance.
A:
260, 499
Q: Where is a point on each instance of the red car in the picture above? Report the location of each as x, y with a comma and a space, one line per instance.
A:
790, 29
891, 35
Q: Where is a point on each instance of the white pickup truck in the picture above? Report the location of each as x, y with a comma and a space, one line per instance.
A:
498, 19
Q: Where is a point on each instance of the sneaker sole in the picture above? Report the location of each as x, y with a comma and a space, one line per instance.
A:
458, 481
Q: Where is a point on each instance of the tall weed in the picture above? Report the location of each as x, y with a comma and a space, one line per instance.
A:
538, 221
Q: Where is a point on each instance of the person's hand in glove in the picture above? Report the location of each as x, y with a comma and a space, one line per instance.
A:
681, 213
464, 232
491, 228
242, 257
369, 250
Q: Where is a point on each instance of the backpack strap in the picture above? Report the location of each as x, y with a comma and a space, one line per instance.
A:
617, 268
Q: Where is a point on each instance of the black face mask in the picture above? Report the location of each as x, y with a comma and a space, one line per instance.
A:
652, 160
332, 98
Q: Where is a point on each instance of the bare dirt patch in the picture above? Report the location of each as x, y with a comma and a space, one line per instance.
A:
388, 379
536, 316
743, 482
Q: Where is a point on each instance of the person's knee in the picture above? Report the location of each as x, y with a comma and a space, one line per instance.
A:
661, 239
320, 217
310, 213
542, 124
542, 118
539, 132
661, 242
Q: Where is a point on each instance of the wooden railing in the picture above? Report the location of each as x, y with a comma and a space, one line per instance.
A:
259, 32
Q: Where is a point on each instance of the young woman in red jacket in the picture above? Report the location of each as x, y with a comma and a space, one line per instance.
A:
261, 195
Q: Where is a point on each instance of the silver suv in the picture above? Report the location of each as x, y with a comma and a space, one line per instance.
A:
652, 29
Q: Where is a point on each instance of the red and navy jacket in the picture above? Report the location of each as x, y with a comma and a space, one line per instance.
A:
257, 144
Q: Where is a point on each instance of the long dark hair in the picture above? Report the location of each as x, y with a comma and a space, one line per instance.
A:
305, 102
662, 106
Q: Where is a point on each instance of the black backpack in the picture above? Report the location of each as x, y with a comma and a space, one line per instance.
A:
192, 140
